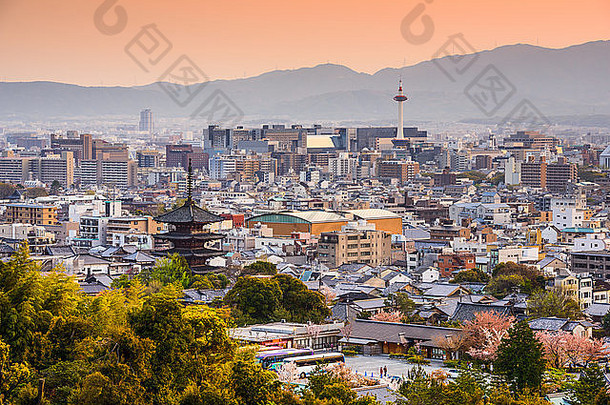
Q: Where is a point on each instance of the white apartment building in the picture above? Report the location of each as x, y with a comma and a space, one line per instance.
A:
568, 212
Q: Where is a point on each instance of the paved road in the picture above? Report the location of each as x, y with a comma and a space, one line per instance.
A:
396, 367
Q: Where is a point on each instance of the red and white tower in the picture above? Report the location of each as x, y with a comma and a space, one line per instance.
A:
400, 98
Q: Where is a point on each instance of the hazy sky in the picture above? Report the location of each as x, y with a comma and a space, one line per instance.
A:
57, 39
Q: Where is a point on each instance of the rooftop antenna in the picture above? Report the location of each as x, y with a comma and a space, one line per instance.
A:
189, 184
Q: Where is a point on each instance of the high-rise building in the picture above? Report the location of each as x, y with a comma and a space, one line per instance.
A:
559, 174
14, 169
483, 162
148, 158
146, 121
112, 173
533, 173
393, 169
531, 140
81, 145
57, 167
180, 155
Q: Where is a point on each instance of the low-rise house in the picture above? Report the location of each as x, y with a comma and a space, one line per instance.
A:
578, 286
552, 324
439, 291
601, 292
597, 311
375, 337
372, 306
291, 335
466, 311
552, 266
452, 262
426, 274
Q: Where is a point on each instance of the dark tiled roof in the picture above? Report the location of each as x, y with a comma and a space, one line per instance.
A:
466, 311
398, 332
60, 251
556, 324
597, 309
4, 248
188, 213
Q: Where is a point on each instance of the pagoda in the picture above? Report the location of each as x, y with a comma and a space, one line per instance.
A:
188, 235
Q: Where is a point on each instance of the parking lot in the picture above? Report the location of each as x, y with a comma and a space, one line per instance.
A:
396, 367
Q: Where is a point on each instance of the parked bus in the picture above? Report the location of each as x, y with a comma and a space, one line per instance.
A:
267, 348
267, 358
306, 364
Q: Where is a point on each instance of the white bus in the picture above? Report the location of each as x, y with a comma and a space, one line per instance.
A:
304, 365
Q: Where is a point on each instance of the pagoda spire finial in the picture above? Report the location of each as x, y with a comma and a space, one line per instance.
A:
189, 183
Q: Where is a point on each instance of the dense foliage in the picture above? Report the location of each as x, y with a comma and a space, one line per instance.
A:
471, 387
174, 270
260, 300
512, 277
259, 267
130, 346
470, 276
553, 303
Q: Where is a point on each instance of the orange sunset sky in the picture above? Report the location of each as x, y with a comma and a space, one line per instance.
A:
58, 40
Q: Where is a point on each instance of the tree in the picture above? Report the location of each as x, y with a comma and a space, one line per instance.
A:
125, 347
470, 276
55, 187
173, 269
6, 189
474, 175
256, 299
402, 302
485, 333
563, 348
520, 358
260, 267
509, 276
326, 385
591, 383
553, 303
383, 316
35, 192
302, 304
606, 322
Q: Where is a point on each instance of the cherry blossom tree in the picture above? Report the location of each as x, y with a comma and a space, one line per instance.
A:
563, 348
484, 334
394, 316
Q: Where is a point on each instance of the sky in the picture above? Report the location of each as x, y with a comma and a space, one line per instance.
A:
67, 41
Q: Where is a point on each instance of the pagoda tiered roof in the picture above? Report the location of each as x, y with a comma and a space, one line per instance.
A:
189, 213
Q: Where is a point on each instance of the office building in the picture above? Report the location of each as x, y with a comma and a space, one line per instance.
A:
403, 171
146, 121
33, 214
355, 244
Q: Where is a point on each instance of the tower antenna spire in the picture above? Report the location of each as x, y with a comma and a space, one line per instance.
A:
400, 98
189, 183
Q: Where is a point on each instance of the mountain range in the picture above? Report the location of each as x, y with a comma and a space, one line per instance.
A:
564, 84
